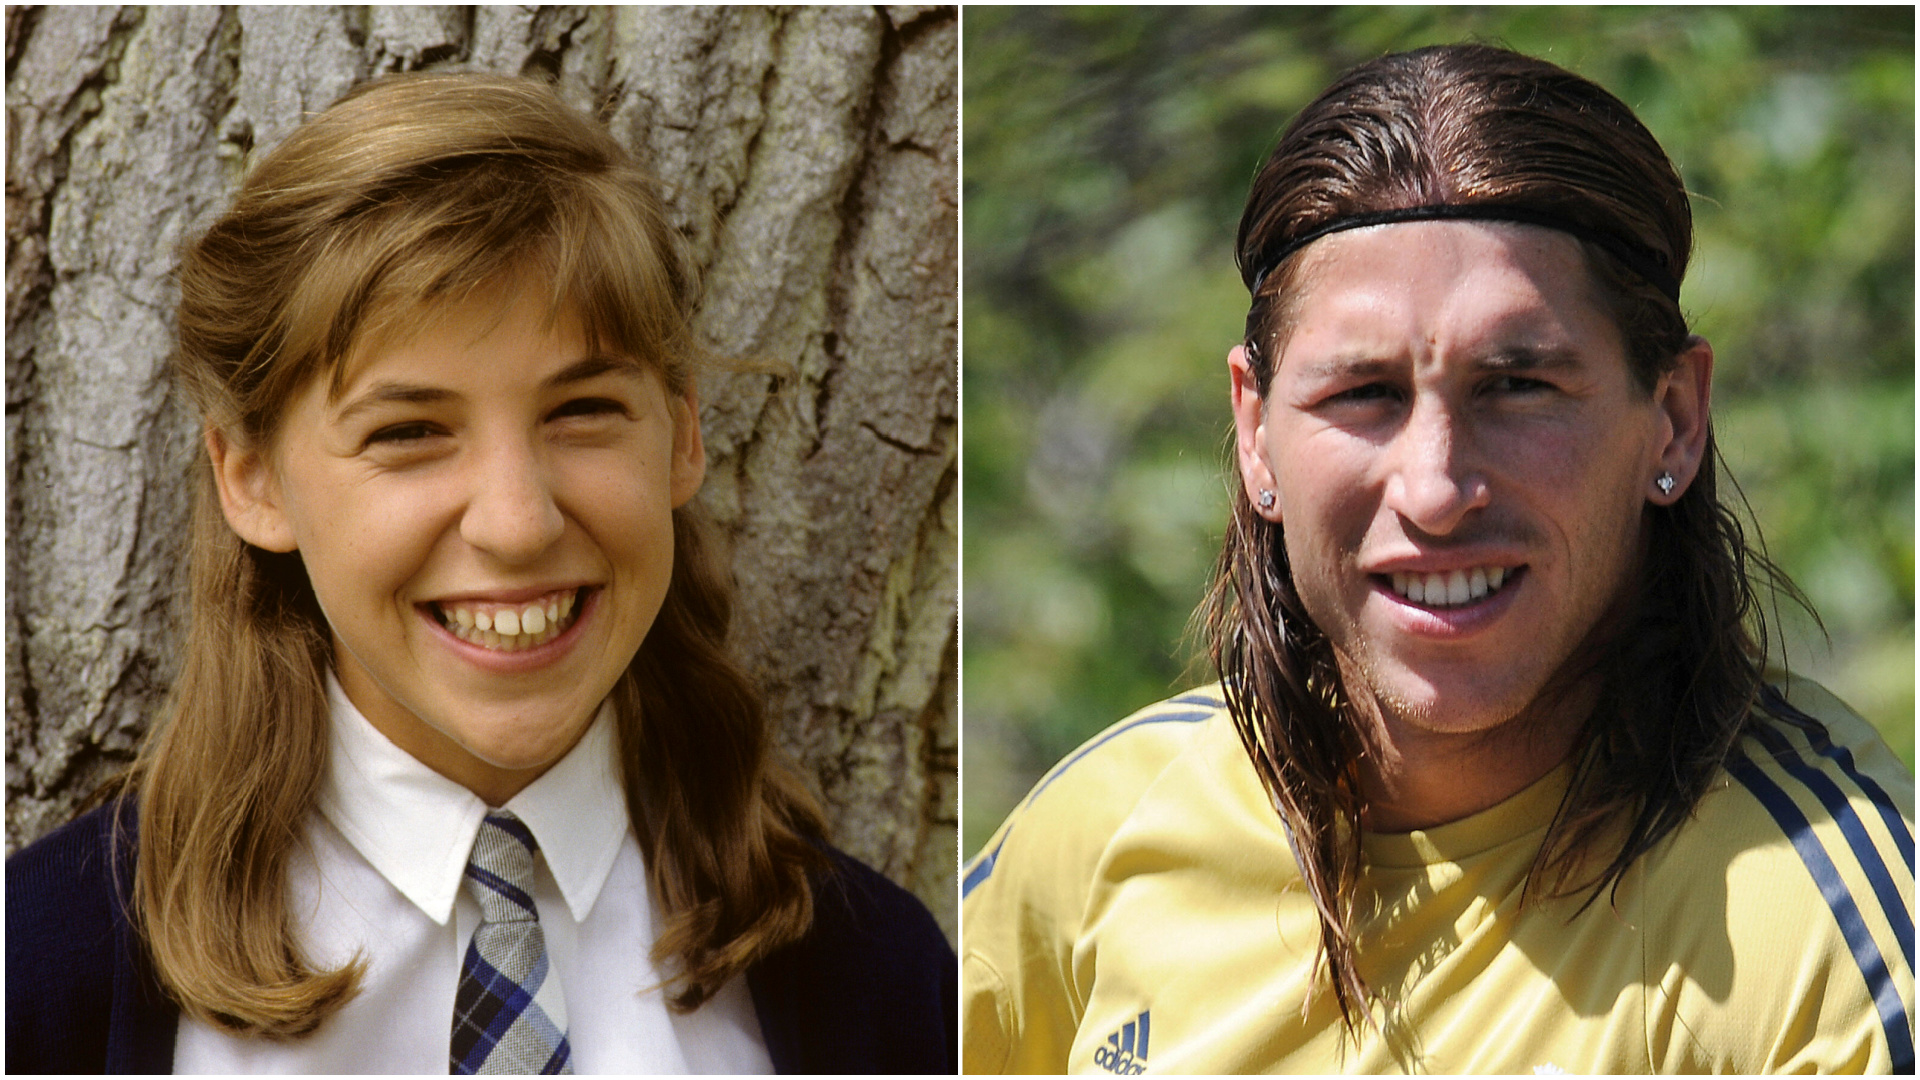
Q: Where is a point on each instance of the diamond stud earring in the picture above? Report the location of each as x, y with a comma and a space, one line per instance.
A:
1665, 483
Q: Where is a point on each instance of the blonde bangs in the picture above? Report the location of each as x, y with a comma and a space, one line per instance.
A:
612, 261
599, 254
394, 203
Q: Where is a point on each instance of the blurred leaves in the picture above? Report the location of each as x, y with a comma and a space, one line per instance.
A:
1106, 158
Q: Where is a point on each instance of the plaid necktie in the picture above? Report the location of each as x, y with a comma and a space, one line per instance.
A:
508, 1017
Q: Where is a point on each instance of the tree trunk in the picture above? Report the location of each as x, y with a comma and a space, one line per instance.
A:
811, 159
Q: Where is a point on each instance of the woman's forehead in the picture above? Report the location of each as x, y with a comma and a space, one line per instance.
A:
473, 319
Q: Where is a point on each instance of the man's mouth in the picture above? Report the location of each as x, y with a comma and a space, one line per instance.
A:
1454, 588
510, 627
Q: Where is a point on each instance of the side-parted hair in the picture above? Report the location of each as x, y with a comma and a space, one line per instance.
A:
1680, 675
410, 193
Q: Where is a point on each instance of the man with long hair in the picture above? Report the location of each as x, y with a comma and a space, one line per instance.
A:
1496, 777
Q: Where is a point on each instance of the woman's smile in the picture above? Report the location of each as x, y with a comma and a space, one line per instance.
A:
509, 625
485, 510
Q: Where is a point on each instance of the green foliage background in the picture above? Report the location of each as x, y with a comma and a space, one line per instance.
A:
1107, 154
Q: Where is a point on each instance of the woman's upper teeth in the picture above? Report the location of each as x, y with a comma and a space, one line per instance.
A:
510, 619
1450, 588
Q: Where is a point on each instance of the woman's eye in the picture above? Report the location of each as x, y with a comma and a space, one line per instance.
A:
591, 407
400, 434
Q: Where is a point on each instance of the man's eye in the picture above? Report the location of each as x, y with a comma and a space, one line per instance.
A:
1515, 384
1368, 392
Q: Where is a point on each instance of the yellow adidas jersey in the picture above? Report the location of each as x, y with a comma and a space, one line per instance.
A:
1141, 911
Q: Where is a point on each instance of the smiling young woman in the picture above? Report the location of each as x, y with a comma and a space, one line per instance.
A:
459, 485
446, 563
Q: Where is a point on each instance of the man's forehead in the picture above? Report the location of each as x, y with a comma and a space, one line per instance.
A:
1391, 250
1510, 295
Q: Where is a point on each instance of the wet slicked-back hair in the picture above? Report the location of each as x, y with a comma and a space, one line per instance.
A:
411, 193
1477, 125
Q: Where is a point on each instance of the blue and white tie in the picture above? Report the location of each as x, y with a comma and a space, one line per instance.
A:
508, 1016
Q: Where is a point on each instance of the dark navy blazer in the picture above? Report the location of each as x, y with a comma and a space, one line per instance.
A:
872, 988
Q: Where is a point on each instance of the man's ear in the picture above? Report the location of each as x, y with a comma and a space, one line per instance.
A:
689, 450
1684, 396
249, 493
1250, 434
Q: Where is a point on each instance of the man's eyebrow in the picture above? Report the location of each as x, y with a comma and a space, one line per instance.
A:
1355, 366
1529, 358
393, 392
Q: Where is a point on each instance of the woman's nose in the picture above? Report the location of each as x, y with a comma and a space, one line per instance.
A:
511, 512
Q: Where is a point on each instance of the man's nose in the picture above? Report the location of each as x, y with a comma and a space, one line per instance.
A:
1435, 479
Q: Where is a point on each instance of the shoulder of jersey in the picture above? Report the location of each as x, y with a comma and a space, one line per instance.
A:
1833, 774
1785, 775
1094, 788
1809, 834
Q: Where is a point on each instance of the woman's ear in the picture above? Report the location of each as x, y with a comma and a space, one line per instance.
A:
249, 493
1684, 396
689, 450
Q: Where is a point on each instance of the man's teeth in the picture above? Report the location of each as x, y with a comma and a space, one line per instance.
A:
509, 627
1452, 588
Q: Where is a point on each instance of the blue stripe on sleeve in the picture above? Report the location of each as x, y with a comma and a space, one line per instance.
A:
1868, 856
983, 868
1157, 718
1211, 701
1816, 732
1873, 966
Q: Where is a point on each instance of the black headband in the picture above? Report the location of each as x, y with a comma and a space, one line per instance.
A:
1650, 265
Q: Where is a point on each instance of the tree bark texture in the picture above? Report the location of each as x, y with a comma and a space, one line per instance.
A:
810, 156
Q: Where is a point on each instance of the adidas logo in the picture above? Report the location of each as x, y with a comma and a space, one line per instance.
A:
1126, 1049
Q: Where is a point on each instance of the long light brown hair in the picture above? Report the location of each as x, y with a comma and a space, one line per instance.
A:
1463, 125
411, 192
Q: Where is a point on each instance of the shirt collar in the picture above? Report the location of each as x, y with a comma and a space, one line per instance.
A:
416, 827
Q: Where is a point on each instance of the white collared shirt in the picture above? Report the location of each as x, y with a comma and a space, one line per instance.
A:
381, 876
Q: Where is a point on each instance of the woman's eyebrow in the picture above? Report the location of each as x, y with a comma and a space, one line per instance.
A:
391, 392
591, 367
